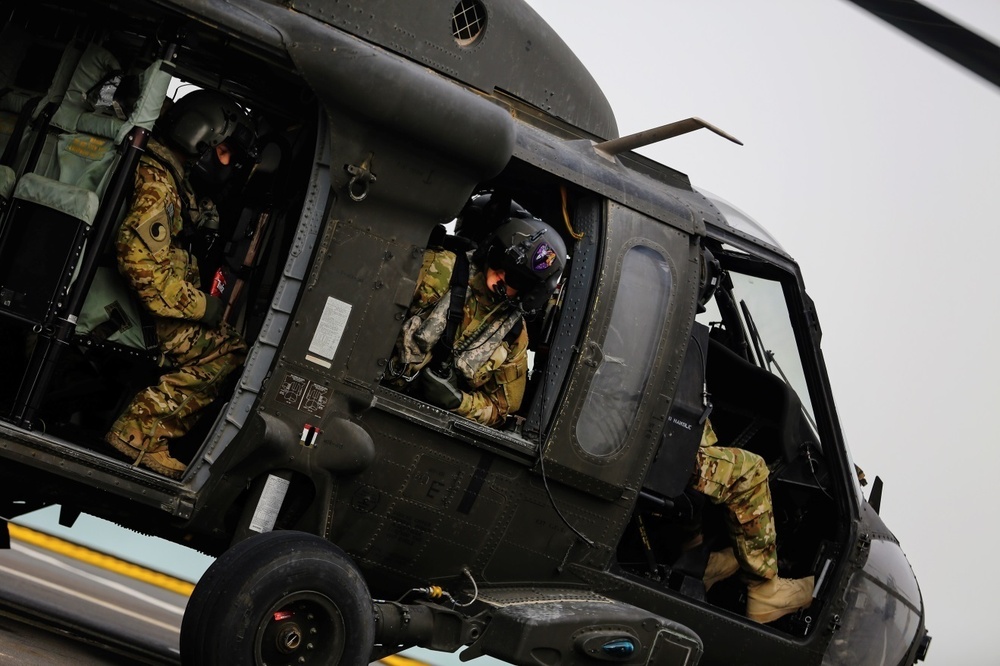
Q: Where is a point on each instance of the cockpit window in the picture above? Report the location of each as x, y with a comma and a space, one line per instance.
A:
757, 306
625, 359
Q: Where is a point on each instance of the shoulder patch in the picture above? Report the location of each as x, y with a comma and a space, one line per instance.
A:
154, 231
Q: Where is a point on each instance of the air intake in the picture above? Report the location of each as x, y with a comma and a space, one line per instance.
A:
468, 22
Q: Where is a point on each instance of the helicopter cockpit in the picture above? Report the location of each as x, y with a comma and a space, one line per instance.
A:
745, 372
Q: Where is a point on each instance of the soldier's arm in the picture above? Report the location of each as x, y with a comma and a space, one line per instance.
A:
434, 278
156, 271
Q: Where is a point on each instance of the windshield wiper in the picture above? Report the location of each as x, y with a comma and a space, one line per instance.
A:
766, 359
758, 346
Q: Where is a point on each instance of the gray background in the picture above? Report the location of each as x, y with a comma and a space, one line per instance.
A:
875, 162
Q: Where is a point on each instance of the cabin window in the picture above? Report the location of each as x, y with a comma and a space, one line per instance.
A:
625, 360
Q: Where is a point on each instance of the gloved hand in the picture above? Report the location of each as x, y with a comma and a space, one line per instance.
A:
214, 309
206, 217
438, 390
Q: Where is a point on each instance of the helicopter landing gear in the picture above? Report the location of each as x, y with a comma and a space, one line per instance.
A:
279, 598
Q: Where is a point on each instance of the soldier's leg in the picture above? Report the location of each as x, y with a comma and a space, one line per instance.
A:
737, 479
167, 410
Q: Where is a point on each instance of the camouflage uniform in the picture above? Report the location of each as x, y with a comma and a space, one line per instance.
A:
493, 371
738, 478
165, 277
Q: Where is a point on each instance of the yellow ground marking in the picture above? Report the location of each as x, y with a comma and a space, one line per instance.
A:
134, 571
396, 660
100, 560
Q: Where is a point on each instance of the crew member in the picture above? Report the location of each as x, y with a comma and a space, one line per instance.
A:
202, 142
737, 479
464, 346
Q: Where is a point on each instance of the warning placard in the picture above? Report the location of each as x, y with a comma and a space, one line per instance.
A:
330, 329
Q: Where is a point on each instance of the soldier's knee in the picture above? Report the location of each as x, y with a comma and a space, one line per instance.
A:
754, 467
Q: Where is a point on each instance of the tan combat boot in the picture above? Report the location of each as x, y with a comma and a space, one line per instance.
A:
767, 600
157, 458
721, 565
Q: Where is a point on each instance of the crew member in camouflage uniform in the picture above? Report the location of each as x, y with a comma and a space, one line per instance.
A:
737, 478
482, 376
206, 137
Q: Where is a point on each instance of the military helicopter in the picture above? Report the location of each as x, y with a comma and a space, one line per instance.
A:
351, 519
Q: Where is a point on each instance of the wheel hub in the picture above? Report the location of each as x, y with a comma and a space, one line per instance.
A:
289, 638
301, 628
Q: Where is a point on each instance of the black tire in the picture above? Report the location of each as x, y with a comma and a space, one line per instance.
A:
279, 598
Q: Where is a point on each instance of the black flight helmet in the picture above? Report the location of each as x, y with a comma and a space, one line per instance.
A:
484, 213
532, 256
200, 121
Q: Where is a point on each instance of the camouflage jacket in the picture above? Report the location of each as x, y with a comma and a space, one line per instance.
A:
494, 385
150, 256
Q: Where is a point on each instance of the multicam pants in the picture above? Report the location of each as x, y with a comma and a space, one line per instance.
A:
203, 357
737, 479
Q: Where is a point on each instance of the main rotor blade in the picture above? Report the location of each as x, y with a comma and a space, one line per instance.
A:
970, 50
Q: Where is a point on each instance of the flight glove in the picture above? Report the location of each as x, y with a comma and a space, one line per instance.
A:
440, 391
214, 309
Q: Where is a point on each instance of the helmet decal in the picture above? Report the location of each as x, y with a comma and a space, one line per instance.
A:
544, 257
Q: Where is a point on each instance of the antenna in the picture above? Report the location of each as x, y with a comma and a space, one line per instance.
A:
657, 134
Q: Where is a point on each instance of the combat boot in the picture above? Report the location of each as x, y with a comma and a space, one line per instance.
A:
157, 459
767, 600
721, 565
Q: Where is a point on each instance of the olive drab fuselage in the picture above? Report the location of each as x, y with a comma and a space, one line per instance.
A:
378, 126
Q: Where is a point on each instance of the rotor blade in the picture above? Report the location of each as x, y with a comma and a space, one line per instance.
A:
970, 50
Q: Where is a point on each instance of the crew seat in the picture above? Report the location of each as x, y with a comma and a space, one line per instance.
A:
753, 408
35, 71
55, 205
64, 209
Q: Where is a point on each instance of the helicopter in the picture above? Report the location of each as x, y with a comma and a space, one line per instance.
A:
350, 519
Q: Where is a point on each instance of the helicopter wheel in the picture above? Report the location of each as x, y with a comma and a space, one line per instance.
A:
279, 598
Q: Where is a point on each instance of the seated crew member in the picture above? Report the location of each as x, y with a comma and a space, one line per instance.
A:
199, 144
737, 478
473, 360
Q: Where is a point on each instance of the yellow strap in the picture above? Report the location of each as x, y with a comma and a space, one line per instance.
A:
565, 212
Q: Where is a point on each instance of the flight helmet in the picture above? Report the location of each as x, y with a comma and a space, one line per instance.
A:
200, 121
532, 256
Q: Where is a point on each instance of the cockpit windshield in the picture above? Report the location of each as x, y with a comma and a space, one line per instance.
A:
739, 220
749, 314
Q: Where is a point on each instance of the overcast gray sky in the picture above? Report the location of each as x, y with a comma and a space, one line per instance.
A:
875, 163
